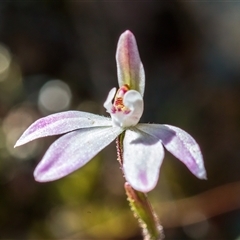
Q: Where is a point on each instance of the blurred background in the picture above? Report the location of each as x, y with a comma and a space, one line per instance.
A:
60, 55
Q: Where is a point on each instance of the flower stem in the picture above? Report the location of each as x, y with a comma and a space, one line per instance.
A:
140, 205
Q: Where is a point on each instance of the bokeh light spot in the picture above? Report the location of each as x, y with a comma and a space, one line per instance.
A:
13, 126
54, 96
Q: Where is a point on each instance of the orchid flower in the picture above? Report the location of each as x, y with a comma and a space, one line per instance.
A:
87, 134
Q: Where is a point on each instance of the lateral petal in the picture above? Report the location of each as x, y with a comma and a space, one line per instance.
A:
60, 123
142, 158
72, 151
180, 144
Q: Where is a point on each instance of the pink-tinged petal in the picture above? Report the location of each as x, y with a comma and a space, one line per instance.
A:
180, 144
60, 123
72, 151
142, 158
129, 66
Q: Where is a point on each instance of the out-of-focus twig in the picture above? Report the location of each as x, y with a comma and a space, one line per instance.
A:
208, 204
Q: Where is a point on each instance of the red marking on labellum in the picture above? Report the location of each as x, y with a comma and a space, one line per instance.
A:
118, 105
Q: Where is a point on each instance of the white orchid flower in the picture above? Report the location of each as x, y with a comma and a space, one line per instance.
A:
87, 134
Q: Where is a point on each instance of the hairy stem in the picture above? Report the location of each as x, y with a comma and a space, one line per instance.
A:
140, 205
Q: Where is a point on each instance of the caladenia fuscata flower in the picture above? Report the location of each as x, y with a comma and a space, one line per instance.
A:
87, 134
140, 146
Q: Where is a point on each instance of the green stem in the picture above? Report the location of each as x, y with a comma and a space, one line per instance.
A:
140, 205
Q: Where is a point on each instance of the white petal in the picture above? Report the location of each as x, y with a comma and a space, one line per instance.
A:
159, 131
185, 148
142, 158
72, 151
180, 144
60, 123
129, 66
108, 103
134, 101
